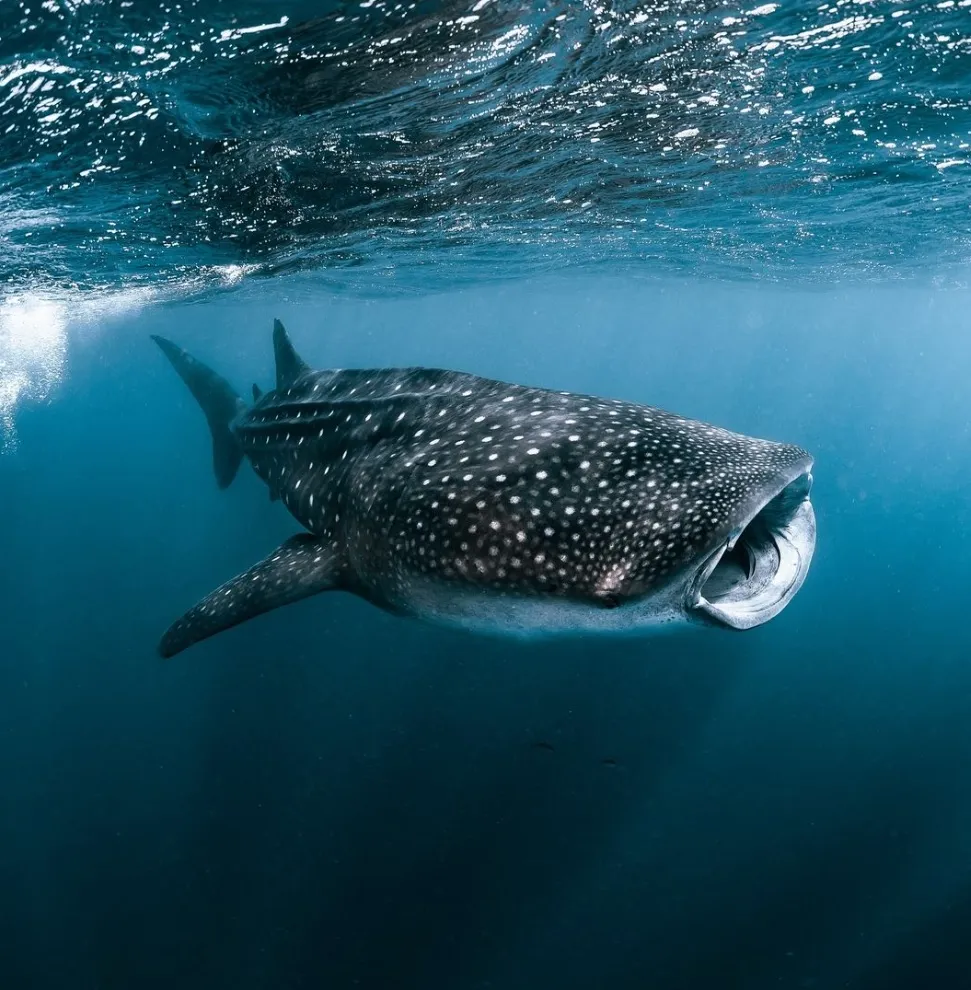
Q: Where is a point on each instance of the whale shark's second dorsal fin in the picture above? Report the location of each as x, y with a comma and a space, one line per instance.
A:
289, 365
257, 392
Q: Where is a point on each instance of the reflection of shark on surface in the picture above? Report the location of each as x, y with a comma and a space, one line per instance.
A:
500, 507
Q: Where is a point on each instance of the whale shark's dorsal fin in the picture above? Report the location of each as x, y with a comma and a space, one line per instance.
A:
257, 392
301, 567
289, 365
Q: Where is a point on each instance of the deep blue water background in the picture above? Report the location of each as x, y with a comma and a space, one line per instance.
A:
330, 797
754, 214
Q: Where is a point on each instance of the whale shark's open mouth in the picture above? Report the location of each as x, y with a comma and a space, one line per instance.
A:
754, 575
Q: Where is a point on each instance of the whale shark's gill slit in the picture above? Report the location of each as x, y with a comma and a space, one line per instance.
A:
752, 580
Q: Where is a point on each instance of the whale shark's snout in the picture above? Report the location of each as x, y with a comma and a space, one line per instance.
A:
749, 577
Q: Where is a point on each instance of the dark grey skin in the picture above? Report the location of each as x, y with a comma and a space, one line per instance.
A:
500, 507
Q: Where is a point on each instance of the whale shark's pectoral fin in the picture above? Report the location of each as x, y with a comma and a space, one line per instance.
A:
301, 567
274, 495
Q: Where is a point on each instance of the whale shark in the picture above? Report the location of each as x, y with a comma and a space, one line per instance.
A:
499, 507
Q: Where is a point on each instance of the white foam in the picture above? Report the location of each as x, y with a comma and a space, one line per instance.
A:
34, 333
33, 348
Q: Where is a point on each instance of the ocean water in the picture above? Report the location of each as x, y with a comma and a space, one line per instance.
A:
756, 216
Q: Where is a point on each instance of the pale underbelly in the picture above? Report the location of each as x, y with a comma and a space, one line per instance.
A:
522, 617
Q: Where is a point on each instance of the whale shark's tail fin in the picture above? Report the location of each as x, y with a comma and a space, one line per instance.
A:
220, 404
289, 365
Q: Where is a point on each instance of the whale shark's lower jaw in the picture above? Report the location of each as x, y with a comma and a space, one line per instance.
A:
756, 573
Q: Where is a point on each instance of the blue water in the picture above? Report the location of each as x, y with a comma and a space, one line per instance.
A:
406, 145
332, 797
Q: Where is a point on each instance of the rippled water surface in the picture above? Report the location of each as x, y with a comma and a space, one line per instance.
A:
400, 145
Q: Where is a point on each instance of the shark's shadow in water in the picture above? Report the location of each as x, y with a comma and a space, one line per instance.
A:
415, 830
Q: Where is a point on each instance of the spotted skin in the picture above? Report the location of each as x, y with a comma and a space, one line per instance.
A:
298, 569
483, 483
437, 491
